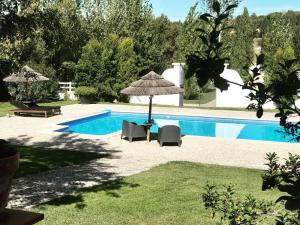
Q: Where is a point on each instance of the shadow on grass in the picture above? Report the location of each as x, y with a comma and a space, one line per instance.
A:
110, 188
35, 189
34, 160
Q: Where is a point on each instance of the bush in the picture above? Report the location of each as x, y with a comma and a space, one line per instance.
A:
85, 91
191, 89
37, 91
233, 210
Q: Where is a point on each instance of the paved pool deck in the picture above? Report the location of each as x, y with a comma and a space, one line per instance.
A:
223, 151
124, 158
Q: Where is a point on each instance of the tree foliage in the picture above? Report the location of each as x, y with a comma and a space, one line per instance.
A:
53, 34
283, 90
209, 64
113, 72
277, 41
239, 43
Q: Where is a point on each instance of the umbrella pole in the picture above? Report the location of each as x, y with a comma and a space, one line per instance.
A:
150, 109
149, 118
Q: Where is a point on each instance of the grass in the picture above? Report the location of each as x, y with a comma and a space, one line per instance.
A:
34, 160
204, 98
165, 195
6, 106
60, 103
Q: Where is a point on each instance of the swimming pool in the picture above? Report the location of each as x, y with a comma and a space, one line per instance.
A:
109, 122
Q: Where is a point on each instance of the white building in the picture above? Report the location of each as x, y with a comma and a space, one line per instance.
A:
235, 96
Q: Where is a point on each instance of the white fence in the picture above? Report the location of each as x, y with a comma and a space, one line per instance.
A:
66, 90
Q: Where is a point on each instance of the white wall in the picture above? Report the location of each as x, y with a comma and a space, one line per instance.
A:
235, 96
174, 75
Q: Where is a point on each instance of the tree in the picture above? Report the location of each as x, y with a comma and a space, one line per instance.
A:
278, 42
294, 19
17, 28
187, 41
127, 71
283, 91
165, 34
63, 32
107, 65
240, 43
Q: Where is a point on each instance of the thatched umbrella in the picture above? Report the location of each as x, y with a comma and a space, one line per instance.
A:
25, 75
149, 85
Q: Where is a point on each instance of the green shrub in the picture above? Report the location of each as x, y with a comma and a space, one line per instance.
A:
191, 88
36, 91
85, 91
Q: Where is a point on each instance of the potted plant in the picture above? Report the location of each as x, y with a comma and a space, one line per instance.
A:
9, 158
86, 94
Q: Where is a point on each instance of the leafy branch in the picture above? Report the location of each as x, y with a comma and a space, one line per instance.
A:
283, 90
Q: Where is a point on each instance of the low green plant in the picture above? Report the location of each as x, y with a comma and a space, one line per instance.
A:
286, 178
233, 210
37, 91
66, 96
191, 88
85, 91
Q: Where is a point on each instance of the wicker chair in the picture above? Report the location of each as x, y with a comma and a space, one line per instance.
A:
169, 134
132, 130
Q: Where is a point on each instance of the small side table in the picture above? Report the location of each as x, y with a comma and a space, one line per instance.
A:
20, 217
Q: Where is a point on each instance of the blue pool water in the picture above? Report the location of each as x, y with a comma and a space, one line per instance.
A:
110, 122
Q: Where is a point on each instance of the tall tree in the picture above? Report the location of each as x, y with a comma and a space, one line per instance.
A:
294, 18
18, 23
108, 65
187, 41
277, 42
165, 34
134, 19
63, 32
240, 43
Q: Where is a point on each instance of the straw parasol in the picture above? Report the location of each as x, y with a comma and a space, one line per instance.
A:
25, 75
149, 85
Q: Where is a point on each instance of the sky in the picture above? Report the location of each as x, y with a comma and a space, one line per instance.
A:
178, 9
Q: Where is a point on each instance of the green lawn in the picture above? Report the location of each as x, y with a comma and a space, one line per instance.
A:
6, 106
60, 103
34, 160
204, 98
169, 194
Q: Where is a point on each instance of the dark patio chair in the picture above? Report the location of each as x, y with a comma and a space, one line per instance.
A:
132, 130
169, 134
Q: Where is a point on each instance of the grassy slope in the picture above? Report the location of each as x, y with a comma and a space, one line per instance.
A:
169, 194
204, 98
34, 160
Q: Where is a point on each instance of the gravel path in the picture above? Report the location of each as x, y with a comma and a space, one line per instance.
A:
39, 188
